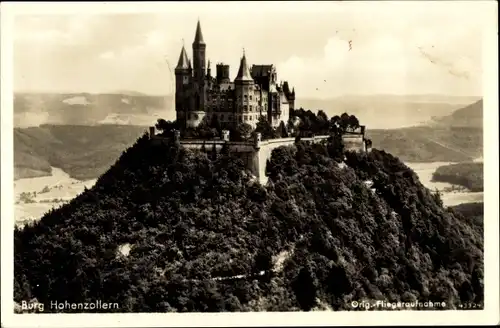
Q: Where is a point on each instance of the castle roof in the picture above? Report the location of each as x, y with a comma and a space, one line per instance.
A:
261, 70
198, 38
243, 72
286, 88
183, 62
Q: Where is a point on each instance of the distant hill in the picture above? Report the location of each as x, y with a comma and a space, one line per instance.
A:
127, 107
469, 116
430, 144
389, 111
135, 108
457, 137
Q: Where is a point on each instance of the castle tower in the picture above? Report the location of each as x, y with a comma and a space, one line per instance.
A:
182, 81
246, 109
222, 73
199, 48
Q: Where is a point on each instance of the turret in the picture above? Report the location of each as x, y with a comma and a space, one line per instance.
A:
244, 86
182, 80
222, 73
183, 62
244, 76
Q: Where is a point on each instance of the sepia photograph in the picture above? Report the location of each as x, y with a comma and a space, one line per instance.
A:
315, 159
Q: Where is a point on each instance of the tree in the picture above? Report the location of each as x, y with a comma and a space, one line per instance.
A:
305, 289
353, 122
225, 149
263, 260
344, 122
165, 126
368, 143
265, 129
244, 131
290, 127
282, 130
205, 131
215, 124
214, 152
322, 122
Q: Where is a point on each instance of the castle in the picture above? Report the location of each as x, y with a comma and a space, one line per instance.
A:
255, 91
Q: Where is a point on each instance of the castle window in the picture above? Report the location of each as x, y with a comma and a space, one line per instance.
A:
241, 119
250, 97
246, 97
250, 107
251, 118
245, 118
244, 107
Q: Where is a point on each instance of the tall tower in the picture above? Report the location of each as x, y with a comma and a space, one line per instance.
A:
182, 80
199, 71
244, 86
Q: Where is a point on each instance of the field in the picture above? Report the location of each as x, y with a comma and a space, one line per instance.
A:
35, 196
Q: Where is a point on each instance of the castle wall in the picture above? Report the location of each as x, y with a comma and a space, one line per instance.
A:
256, 153
354, 142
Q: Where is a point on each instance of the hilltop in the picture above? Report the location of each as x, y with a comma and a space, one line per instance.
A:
168, 229
38, 148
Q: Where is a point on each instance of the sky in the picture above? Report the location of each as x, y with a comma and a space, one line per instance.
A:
324, 49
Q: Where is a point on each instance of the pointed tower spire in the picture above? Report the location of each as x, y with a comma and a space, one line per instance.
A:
244, 72
183, 62
198, 38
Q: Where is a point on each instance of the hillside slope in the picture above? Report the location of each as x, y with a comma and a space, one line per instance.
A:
469, 116
165, 229
430, 143
84, 152
457, 137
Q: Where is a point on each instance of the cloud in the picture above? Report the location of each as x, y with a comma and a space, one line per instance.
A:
387, 63
321, 53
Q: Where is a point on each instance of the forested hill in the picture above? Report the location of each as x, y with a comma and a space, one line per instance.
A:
164, 228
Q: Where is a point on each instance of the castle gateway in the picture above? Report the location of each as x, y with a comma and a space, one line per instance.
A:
254, 92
